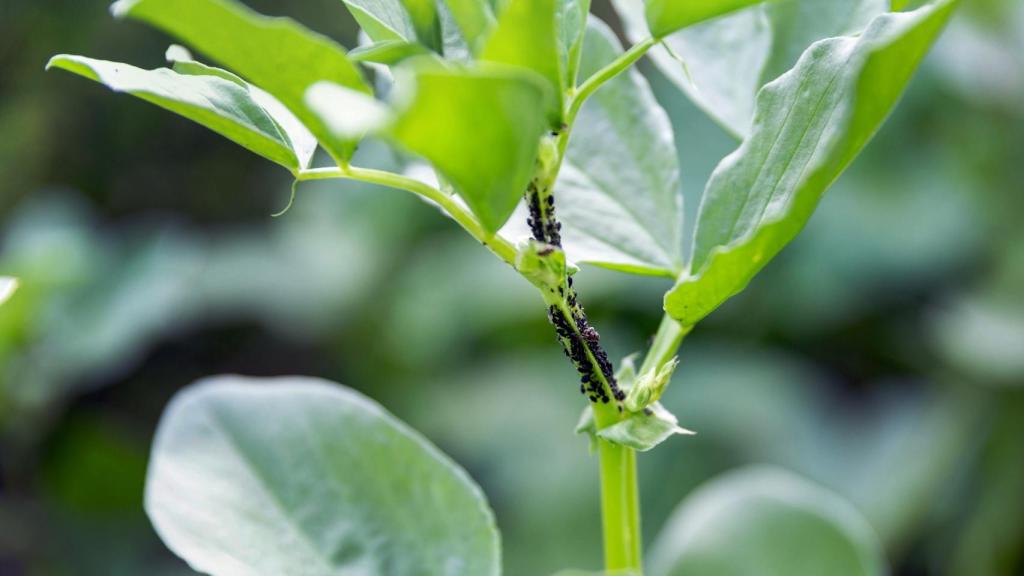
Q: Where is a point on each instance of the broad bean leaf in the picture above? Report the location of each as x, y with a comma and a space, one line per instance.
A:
398, 20
767, 522
479, 127
276, 54
809, 126
302, 140
212, 100
666, 16
387, 52
475, 18
619, 196
297, 476
722, 63
526, 35
571, 22
8, 286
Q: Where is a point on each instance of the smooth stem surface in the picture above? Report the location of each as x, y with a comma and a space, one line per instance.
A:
501, 247
620, 507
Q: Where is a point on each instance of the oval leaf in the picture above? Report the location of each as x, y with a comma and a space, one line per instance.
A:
754, 45
298, 476
526, 36
479, 127
276, 54
810, 124
226, 107
619, 197
767, 522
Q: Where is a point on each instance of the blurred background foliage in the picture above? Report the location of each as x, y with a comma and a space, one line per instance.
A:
882, 355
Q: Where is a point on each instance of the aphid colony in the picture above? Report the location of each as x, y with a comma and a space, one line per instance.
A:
580, 341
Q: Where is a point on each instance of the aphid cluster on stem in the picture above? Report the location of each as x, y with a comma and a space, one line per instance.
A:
581, 343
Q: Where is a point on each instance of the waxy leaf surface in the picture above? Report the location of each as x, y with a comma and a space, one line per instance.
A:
767, 522
809, 126
666, 16
618, 195
302, 477
722, 63
276, 54
212, 100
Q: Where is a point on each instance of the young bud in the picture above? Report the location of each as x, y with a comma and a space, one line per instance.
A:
649, 386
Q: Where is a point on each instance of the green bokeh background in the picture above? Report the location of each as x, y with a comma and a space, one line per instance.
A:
881, 355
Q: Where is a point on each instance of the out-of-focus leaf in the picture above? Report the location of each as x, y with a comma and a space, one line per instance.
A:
526, 36
8, 286
479, 127
810, 125
276, 54
618, 194
298, 476
722, 63
644, 430
473, 17
210, 100
983, 337
386, 52
769, 522
666, 16
349, 114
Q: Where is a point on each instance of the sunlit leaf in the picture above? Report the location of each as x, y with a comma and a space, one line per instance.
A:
276, 54
767, 522
218, 103
618, 195
296, 476
526, 36
386, 52
479, 127
809, 126
473, 17
571, 21
667, 16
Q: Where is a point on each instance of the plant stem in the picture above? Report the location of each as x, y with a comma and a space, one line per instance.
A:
620, 508
499, 246
613, 69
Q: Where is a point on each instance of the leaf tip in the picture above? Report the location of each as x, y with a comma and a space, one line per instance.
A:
121, 8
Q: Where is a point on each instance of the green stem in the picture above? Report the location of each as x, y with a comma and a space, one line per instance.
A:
498, 245
613, 69
620, 508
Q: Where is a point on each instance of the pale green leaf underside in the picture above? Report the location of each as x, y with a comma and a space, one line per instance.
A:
666, 16
644, 430
276, 54
809, 125
302, 477
479, 127
619, 196
213, 101
767, 522
722, 63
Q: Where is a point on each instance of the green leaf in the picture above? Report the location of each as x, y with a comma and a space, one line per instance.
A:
755, 45
767, 522
618, 195
571, 21
276, 54
809, 126
479, 127
644, 430
388, 52
408, 21
666, 16
298, 476
526, 36
8, 286
473, 17
211, 100
302, 140
350, 115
